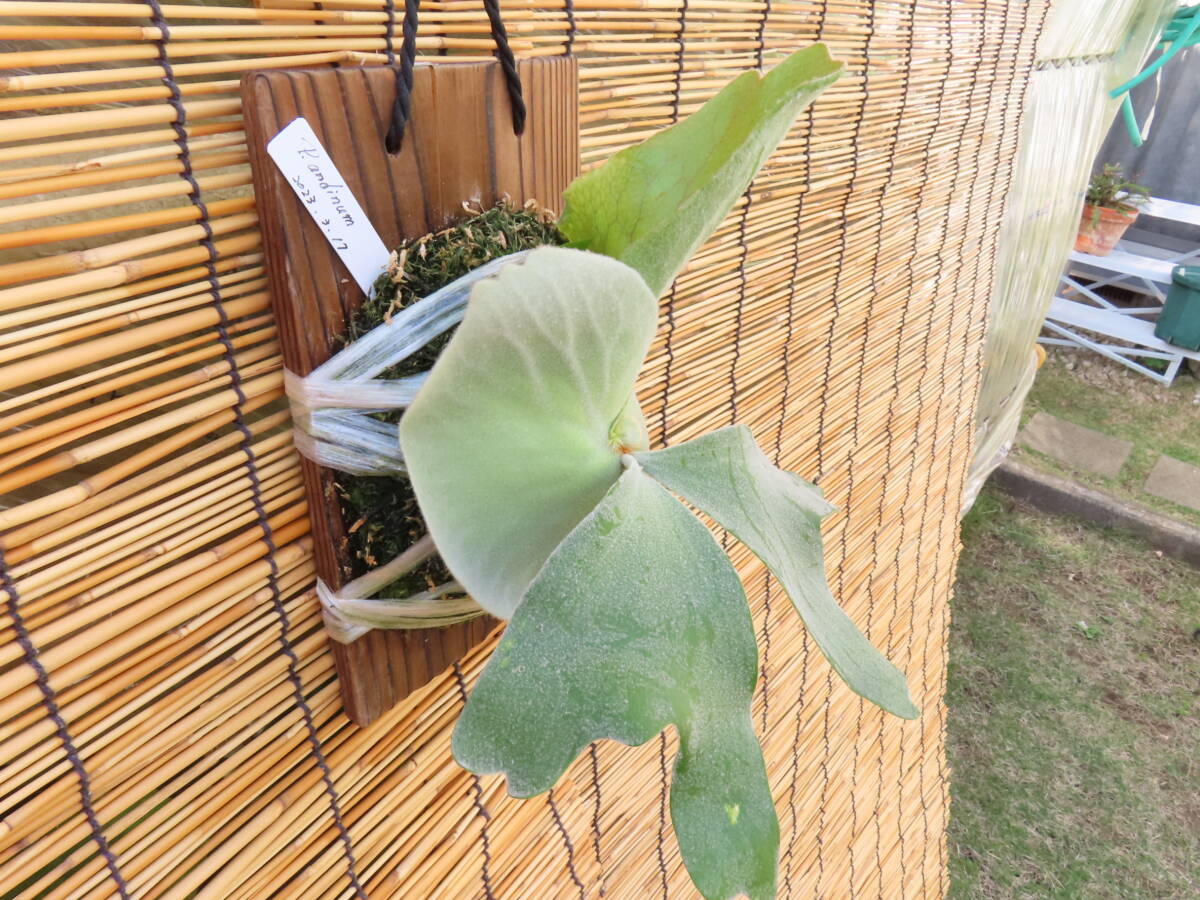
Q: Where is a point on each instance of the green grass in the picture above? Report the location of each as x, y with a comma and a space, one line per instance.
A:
1074, 727
1110, 398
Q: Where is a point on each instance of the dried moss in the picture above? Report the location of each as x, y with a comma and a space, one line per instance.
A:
381, 512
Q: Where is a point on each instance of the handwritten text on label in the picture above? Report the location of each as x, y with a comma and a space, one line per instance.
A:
317, 182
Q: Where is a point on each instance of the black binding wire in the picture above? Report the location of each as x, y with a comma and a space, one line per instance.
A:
179, 125
41, 677
477, 800
402, 108
660, 849
597, 808
567, 843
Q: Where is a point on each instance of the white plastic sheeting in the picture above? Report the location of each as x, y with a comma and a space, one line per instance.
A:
1087, 48
333, 409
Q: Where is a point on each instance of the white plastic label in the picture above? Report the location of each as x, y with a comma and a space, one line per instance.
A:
308, 169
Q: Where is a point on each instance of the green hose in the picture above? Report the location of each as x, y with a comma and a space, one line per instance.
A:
1181, 32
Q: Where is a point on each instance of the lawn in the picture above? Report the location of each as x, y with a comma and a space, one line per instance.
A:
1074, 727
1087, 389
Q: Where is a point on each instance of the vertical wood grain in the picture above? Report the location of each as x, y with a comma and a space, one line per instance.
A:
458, 148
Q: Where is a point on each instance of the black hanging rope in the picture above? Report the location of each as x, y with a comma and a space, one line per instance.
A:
572, 27
389, 33
508, 63
402, 108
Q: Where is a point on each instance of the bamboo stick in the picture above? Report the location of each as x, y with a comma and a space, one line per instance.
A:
116, 224
124, 75
99, 200
187, 548
108, 639
138, 289
220, 631
116, 96
49, 364
129, 799
89, 597
37, 8
102, 762
251, 769
40, 572
65, 429
93, 144
237, 751
147, 367
204, 640
88, 260
70, 317
92, 485
236, 814
33, 59
95, 511
178, 32
165, 421
91, 178
101, 447
103, 120
122, 273
112, 323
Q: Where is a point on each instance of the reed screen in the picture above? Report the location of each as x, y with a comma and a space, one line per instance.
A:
169, 718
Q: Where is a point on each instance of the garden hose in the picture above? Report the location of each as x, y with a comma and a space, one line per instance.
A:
1180, 33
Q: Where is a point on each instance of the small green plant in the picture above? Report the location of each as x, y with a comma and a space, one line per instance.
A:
528, 455
1109, 189
1091, 632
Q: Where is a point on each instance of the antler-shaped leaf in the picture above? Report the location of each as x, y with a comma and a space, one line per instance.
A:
653, 204
778, 516
637, 621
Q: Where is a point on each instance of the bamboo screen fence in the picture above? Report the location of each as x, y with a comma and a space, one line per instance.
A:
169, 719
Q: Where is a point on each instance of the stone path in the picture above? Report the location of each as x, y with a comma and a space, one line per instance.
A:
1175, 481
1093, 451
1082, 448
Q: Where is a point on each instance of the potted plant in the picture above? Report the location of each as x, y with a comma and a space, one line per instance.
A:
1110, 207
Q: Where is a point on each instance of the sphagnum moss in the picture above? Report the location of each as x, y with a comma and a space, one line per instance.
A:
381, 513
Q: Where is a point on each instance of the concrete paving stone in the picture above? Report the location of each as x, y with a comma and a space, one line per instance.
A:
1083, 448
1176, 481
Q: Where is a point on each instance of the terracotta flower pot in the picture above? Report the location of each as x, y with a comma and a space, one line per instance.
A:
1098, 234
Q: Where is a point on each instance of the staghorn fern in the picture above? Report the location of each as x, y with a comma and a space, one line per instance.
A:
528, 454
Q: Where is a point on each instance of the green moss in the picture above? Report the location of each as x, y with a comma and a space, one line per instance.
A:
381, 513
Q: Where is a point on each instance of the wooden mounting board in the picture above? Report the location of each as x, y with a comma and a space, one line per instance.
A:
459, 147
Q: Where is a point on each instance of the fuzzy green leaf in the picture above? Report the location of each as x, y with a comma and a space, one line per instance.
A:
653, 204
778, 516
637, 621
509, 443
